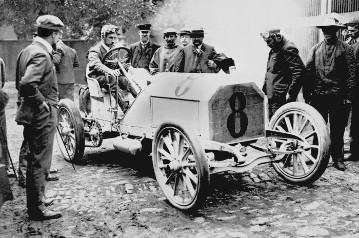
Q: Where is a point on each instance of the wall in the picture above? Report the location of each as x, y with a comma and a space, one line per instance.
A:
9, 50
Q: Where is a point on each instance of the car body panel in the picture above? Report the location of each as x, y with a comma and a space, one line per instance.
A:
214, 106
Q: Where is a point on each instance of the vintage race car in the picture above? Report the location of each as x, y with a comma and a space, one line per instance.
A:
198, 124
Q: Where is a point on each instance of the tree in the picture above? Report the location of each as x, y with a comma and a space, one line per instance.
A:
83, 18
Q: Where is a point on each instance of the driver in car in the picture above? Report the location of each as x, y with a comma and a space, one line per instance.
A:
98, 68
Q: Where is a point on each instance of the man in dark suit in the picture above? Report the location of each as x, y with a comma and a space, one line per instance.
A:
285, 71
65, 59
332, 72
143, 50
199, 57
354, 127
37, 85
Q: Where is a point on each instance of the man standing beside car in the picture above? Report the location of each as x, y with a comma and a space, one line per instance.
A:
332, 72
37, 85
65, 59
143, 50
354, 126
285, 71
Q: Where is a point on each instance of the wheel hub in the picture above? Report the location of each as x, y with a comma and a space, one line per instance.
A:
175, 165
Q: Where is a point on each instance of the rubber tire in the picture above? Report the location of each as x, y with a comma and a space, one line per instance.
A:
76, 120
324, 141
84, 100
201, 165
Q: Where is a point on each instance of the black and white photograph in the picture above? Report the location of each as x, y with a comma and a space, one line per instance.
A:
179, 118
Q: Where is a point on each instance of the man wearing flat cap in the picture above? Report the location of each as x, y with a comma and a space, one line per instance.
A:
285, 71
329, 87
185, 36
37, 85
143, 50
198, 57
353, 31
167, 58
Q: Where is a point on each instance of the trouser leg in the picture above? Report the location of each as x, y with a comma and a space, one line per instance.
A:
40, 137
274, 104
3, 139
66, 91
338, 117
24, 151
354, 129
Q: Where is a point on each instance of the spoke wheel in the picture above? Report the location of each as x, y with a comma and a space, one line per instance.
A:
70, 133
312, 156
181, 167
96, 135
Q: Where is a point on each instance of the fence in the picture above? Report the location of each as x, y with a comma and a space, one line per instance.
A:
9, 50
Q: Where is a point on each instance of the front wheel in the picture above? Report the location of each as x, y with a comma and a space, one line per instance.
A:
180, 166
70, 131
312, 156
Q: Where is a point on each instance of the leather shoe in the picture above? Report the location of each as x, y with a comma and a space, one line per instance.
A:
48, 201
52, 177
44, 215
339, 166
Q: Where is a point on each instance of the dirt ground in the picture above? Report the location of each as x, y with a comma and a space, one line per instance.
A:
113, 194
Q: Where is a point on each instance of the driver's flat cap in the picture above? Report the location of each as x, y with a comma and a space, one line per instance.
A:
49, 22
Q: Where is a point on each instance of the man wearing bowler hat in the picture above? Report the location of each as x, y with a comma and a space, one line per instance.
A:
143, 50
331, 79
198, 56
185, 37
37, 85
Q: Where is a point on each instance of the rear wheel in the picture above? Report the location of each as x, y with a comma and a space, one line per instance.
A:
70, 134
180, 166
311, 160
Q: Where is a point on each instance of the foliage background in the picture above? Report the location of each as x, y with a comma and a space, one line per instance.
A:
83, 18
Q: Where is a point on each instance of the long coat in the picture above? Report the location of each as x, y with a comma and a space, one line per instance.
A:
68, 60
36, 81
332, 70
141, 57
95, 56
285, 72
196, 62
166, 59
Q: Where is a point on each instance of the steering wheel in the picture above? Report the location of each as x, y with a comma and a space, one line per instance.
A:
115, 56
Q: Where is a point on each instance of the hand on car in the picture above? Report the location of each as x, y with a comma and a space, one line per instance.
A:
211, 64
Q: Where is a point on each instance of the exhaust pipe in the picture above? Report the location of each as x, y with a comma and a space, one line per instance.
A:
127, 145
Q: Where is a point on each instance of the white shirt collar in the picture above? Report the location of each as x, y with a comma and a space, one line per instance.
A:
105, 46
45, 43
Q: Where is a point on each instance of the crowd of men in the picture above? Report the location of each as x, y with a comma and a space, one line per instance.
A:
44, 74
329, 80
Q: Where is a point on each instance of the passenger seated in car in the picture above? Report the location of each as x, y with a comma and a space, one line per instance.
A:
97, 68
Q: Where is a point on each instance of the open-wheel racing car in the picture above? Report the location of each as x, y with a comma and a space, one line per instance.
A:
198, 124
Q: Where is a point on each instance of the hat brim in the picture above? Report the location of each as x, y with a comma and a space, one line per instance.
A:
337, 26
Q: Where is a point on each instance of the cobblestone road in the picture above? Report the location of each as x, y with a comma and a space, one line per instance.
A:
115, 195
